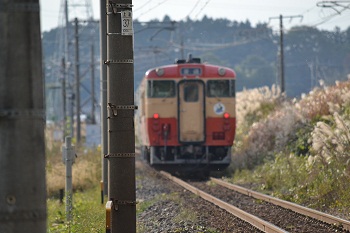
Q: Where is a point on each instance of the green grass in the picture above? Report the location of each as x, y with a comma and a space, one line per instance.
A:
89, 215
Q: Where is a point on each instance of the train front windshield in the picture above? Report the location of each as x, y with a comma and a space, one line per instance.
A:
221, 88
160, 89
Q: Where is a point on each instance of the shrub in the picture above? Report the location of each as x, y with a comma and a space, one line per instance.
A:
331, 160
302, 148
252, 106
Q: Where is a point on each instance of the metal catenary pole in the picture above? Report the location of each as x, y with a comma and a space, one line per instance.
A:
92, 66
103, 92
120, 101
77, 81
22, 119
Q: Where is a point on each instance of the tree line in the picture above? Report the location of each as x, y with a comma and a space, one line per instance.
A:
311, 55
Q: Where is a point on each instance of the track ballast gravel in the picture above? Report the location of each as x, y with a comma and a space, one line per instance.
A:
170, 208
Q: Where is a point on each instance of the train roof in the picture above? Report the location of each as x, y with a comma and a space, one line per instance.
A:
192, 68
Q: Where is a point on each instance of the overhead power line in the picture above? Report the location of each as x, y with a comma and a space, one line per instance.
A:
206, 3
148, 11
334, 5
193, 8
145, 4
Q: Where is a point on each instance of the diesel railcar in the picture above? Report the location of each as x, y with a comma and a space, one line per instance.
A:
186, 118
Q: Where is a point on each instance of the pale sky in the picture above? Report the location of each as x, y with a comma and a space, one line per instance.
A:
254, 10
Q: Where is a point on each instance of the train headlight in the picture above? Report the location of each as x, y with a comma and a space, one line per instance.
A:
221, 71
160, 72
226, 115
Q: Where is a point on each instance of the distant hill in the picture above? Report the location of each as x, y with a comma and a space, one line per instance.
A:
311, 55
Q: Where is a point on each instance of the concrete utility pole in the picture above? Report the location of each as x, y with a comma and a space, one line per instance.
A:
281, 48
66, 70
22, 119
281, 55
77, 81
103, 96
71, 99
68, 154
121, 131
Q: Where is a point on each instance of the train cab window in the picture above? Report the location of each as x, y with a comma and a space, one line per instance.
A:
161, 89
191, 93
221, 88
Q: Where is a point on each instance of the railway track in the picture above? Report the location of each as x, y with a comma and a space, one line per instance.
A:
265, 213
168, 207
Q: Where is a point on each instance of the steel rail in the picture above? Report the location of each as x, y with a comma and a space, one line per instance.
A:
288, 205
253, 220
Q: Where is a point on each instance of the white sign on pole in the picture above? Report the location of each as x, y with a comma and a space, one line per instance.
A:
127, 29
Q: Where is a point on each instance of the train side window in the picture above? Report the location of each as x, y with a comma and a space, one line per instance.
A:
220, 88
161, 89
232, 88
143, 113
191, 93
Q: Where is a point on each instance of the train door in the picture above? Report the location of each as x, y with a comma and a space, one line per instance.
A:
191, 112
